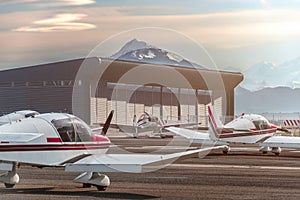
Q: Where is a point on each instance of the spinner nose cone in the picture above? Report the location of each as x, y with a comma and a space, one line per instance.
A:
100, 138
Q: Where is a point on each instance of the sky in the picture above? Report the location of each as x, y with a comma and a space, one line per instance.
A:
235, 33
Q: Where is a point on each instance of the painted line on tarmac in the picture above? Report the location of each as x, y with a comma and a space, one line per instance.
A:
233, 166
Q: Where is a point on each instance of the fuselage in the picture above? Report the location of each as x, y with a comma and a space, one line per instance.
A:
249, 128
49, 139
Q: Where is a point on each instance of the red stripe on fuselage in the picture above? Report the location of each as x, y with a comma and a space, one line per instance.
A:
54, 140
49, 147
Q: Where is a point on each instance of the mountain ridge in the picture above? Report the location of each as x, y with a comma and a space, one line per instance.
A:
140, 51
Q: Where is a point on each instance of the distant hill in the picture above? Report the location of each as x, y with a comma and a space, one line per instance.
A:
272, 100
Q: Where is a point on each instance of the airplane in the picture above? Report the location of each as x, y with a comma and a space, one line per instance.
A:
147, 122
17, 115
64, 140
246, 129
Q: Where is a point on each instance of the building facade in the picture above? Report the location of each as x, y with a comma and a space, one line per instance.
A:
90, 88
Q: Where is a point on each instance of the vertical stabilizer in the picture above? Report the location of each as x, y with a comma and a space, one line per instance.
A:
215, 125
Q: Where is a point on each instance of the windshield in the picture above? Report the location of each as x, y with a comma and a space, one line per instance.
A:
261, 124
144, 116
72, 130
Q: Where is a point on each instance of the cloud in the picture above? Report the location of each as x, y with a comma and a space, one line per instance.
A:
264, 2
49, 3
227, 33
60, 22
79, 2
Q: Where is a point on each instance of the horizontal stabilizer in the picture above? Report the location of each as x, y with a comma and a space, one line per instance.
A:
189, 134
195, 136
128, 162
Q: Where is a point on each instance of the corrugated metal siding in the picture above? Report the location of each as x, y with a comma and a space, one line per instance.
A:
93, 110
130, 113
218, 106
121, 112
202, 116
42, 99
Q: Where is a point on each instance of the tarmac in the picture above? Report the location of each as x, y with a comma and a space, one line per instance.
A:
244, 173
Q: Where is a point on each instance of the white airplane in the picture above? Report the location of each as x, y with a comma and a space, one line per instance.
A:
63, 140
246, 129
147, 122
17, 115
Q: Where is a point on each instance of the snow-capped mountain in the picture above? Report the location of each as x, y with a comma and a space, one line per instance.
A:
140, 51
265, 74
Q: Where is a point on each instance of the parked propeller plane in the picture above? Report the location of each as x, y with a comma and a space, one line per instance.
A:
147, 122
64, 140
246, 129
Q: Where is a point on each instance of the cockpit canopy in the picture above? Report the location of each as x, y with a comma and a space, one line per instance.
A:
147, 117
72, 129
250, 121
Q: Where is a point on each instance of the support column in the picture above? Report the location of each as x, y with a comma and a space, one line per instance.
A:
196, 107
229, 104
161, 102
179, 106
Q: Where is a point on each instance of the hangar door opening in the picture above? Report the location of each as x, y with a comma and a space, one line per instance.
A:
171, 104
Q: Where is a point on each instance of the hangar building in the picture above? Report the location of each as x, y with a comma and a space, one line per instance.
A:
91, 87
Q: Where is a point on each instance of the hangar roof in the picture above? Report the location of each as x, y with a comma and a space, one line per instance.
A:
125, 72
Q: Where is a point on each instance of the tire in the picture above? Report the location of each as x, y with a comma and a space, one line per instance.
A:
101, 188
7, 185
225, 152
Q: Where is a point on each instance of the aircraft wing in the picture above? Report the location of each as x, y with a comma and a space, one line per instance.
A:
195, 136
179, 125
129, 162
282, 141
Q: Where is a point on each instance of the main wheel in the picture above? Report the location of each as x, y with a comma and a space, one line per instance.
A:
7, 185
101, 188
225, 152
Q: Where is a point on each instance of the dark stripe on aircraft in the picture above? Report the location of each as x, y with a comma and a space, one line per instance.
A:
248, 133
46, 147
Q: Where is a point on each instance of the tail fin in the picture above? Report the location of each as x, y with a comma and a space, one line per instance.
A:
107, 123
215, 124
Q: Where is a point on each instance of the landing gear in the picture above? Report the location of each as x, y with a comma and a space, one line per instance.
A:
265, 150
11, 177
7, 185
276, 150
226, 150
89, 179
101, 188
